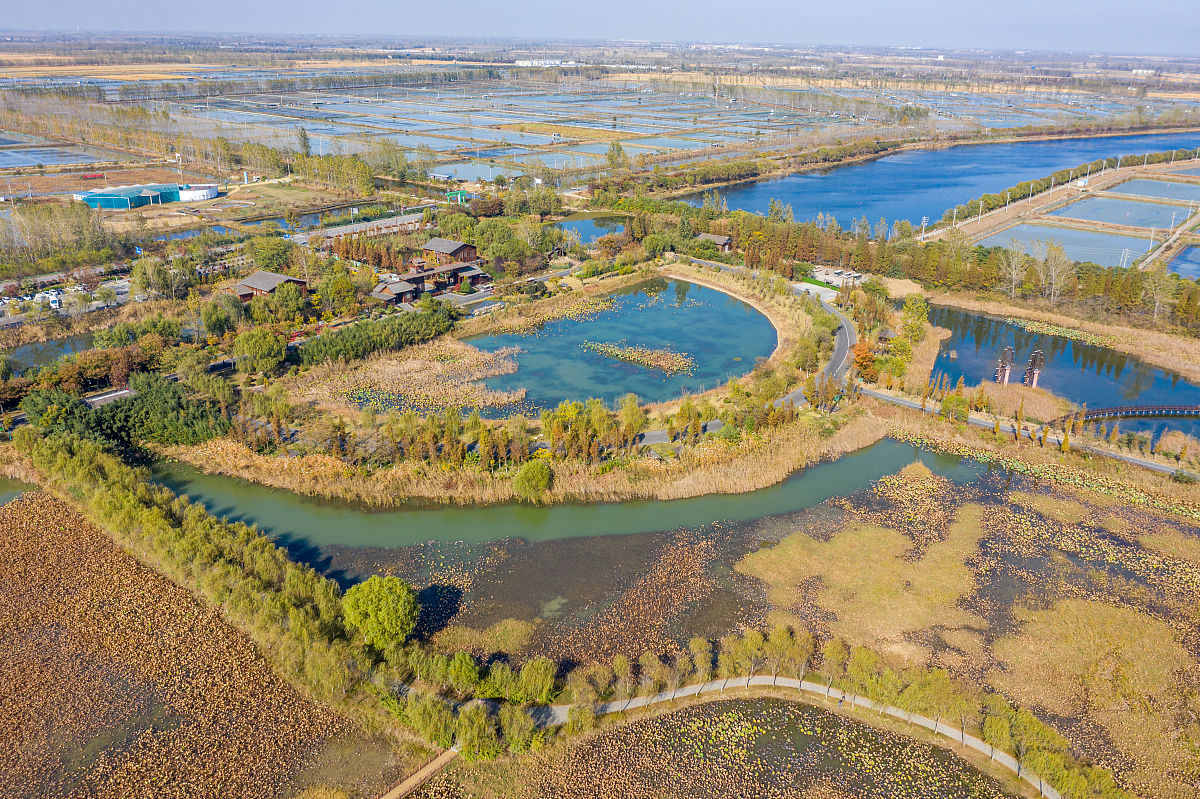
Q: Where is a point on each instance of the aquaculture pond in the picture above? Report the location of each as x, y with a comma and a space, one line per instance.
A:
1187, 263
1135, 213
1105, 249
591, 228
572, 359
1167, 189
918, 183
44, 353
1079, 372
759, 748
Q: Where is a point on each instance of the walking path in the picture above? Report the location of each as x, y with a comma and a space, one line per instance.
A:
1053, 438
556, 715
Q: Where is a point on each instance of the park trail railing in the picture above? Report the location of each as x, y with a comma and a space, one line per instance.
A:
555, 715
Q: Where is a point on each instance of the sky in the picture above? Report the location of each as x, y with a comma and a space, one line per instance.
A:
1114, 26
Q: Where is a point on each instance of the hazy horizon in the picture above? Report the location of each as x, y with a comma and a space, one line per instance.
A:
1160, 27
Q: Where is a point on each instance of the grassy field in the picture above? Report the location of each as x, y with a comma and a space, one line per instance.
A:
877, 595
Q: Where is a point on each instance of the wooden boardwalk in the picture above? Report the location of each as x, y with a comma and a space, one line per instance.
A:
421, 776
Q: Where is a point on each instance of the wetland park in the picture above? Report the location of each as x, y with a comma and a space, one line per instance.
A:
511, 429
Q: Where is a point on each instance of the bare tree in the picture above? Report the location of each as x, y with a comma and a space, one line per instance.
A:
1057, 272
1012, 266
1159, 288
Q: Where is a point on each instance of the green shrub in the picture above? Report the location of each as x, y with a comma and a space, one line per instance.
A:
383, 609
532, 481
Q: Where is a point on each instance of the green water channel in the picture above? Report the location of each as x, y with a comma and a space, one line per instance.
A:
10, 489
299, 520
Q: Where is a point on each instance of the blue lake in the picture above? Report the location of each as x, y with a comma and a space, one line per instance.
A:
593, 227
1187, 263
722, 335
919, 183
1076, 371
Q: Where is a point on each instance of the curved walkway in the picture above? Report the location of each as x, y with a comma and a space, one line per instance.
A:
555, 715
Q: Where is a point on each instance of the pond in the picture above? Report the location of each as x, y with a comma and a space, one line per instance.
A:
1187, 263
1136, 213
722, 336
1167, 189
216, 230
591, 228
1076, 371
1105, 249
44, 353
309, 522
560, 566
919, 183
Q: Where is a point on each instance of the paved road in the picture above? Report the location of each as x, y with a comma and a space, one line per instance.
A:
845, 337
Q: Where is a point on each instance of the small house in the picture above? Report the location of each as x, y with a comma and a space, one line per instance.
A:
264, 284
447, 251
395, 292
724, 243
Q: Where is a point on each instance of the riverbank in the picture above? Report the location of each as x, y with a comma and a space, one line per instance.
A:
715, 466
1174, 353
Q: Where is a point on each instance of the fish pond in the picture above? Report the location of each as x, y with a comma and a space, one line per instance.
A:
1187, 263
605, 353
1134, 213
918, 183
1077, 371
1105, 249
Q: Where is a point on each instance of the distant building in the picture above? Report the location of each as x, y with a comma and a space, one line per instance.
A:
448, 251
263, 284
126, 197
724, 243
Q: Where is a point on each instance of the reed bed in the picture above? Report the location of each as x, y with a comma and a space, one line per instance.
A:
525, 317
1038, 403
920, 368
712, 467
664, 360
97, 644
428, 378
16, 465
